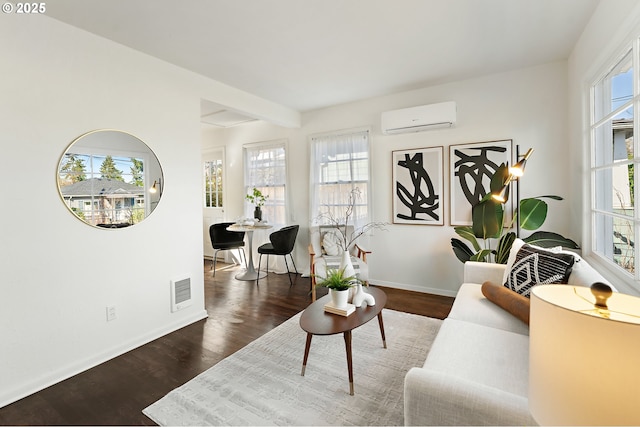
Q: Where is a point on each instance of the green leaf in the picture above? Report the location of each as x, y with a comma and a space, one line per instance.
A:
487, 219
466, 232
481, 256
461, 250
547, 239
533, 213
504, 246
499, 178
548, 196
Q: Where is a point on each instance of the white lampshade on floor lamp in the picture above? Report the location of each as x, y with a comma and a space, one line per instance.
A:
584, 356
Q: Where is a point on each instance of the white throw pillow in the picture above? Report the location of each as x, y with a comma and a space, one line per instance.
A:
331, 244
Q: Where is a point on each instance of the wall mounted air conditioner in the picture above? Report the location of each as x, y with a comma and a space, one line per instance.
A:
417, 119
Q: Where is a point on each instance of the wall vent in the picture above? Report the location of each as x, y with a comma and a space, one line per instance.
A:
181, 296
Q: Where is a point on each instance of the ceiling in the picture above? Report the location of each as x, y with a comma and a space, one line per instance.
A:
310, 54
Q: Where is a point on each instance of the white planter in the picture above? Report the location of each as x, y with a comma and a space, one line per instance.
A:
339, 298
346, 266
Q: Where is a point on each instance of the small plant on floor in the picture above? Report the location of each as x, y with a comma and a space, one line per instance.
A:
336, 280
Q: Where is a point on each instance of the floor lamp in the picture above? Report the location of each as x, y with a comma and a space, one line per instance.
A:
515, 173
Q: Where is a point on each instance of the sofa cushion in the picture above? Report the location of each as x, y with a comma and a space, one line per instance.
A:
471, 305
582, 274
535, 266
478, 353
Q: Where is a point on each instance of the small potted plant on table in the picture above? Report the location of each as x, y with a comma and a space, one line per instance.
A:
257, 198
338, 285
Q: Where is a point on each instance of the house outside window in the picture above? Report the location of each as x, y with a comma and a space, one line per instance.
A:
103, 189
340, 164
614, 159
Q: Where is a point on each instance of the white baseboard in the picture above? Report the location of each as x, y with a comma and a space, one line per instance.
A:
79, 366
423, 289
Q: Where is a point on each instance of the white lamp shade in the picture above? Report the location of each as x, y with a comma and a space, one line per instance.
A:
583, 369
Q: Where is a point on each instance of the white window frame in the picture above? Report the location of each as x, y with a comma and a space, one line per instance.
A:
214, 182
276, 209
602, 235
315, 171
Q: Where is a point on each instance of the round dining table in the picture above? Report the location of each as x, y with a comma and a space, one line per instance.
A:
251, 273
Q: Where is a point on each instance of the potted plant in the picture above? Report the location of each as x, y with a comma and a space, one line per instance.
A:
339, 285
257, 198
488, 224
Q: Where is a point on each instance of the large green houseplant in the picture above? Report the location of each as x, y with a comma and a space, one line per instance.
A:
488, 225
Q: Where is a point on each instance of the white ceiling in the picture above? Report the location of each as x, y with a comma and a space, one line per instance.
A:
309, 54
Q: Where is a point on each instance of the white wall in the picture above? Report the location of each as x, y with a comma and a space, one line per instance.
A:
528, 106
58, 274
613, 26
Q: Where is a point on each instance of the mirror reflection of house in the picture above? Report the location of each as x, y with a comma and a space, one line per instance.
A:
105, 202
109, 179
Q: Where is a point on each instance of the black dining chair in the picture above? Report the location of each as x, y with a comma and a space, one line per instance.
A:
282, 243
223, 239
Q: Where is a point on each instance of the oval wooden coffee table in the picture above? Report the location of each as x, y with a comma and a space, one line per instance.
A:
315, 321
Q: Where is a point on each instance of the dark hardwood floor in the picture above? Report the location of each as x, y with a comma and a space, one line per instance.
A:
116, 392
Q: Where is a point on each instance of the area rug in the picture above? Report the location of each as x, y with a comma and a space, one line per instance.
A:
261, 383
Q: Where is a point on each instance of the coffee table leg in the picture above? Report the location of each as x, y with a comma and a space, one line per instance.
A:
306, 353
347, 342
384, 340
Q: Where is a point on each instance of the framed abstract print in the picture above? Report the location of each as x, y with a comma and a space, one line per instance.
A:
471, 167
418, 186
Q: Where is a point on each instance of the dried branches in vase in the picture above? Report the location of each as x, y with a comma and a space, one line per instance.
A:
341, 223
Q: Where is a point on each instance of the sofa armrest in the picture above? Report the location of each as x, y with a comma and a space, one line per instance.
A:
432, 398
480, 272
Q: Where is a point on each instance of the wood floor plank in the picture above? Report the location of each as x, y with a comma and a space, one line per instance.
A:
116, 392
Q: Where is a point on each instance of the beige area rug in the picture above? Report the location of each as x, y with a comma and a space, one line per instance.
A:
261, 383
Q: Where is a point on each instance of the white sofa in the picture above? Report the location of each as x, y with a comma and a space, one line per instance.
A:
476, 372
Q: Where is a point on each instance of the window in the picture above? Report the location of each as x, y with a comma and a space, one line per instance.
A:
213, 183
614, 220
266, 170
340, 164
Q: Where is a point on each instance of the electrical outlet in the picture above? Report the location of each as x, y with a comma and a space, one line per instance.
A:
111, 313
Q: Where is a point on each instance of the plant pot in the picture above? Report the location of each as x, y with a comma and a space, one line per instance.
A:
257, 213
339, 298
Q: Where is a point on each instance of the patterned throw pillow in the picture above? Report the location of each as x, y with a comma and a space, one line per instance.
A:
535, 266
331, 243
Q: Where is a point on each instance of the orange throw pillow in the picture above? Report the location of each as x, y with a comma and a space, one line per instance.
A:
508, 300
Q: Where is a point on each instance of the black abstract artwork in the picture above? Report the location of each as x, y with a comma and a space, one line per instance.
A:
417, 177
472, 166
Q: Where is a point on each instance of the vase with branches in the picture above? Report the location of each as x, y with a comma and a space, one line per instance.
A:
341, 222
258, 199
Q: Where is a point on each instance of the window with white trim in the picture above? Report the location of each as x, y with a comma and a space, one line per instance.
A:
615, 222
213, 183
340, 164
266, 170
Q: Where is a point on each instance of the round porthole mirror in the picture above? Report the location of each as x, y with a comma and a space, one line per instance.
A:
110, 179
